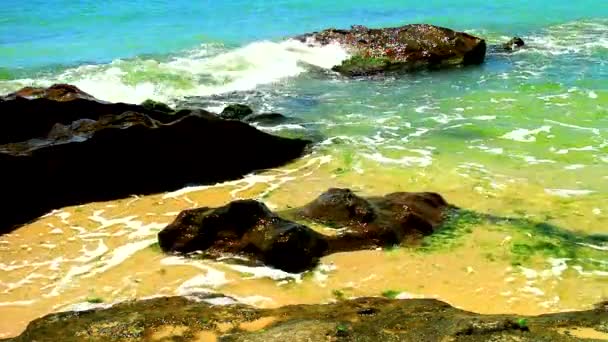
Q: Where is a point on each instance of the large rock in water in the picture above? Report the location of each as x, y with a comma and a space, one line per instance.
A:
405, 48
247, 228
362, 319
32, 112
97, 151
376, 221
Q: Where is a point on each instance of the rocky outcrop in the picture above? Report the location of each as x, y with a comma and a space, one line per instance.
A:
362, 319
248, 229
32, 112
82, 150
406, 48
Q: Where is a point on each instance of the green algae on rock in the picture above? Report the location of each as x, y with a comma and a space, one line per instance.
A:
362, 319
405, 48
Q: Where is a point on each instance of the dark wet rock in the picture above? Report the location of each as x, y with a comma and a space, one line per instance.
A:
400, 217
406, 48
269, 119
248, 228
156, 106
245, 228
180, 319
236, 112
116, 155
31, 112
513, 44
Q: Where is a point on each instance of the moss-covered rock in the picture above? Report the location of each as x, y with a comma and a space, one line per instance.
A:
404, 48
236, 112
156, 106
363, 319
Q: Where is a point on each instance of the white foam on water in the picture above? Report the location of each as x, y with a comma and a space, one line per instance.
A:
574, 167
594, 130
249, 181
67, 280
579, 37
533, 290
409, 295
597, 247
528, 272
89, 255
120, 254
85, 306
144, 230
206, 70
202, 282
279, 127
211, 279
577, 149
257, 272
105, 223
220, 301
423, 161
56, 231
568, 192
485, 117
526, 135
18, 303
592, 94
534, 161
255, 300
424, 108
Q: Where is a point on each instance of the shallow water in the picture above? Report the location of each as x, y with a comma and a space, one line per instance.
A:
520, 143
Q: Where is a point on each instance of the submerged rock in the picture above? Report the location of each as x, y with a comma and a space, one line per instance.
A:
513, 44
362, 319
269, 119
236, 112
249, 229
92, 153
405, 48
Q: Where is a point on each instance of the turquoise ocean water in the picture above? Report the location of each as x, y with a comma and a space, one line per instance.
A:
543, 109
537, 117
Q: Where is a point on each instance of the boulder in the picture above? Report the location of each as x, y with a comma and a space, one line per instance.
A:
248, 229
31, 112
406, 48
236, 112
245, 228
513, 44
268, 119
116, 155
152, 105
401, 217
361, 319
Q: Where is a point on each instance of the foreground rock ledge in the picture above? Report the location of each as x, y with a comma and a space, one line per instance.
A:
247, 228
63, 147
406, 48
363, 319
